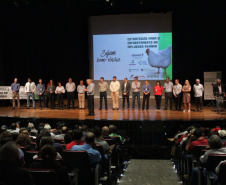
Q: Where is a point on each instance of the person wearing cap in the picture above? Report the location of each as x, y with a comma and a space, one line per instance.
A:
15, 87
125, 92
114, 88
103, 87
81, 95
198, 90
136, 92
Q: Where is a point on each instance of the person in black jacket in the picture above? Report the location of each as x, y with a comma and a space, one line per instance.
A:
125, 92
219, 94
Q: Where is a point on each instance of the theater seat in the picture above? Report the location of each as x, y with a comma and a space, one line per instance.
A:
78, 164
222, 174
44, 176
28, 158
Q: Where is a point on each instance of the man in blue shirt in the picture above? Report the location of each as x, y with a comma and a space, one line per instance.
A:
146, 94
41, 95
15, 87
94, 155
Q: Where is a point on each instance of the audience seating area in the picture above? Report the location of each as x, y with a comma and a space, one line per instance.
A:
199, 155
44, 154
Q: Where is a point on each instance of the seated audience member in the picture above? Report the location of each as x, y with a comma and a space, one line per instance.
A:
222, 134
68, 137
84, 130
23, 140
216, 129
113, 132
186, 136
14, 136
46, 140
99, 140
14, 128
196, 139
48, 127
63, 132
215, 145
105, 132
10, 172
33, 131
3, 129
77, 139
6, 137
45, 132
207, 132
48, 154
182, 131
24, 131
94, 155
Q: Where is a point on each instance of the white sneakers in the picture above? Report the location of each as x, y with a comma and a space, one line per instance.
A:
186, 110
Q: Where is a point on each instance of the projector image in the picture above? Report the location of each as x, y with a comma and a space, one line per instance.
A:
162, 59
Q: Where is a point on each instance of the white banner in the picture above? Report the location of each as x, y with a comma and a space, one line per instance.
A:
6, 93
210, 79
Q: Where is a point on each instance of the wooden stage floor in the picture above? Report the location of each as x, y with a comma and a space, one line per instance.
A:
151, 114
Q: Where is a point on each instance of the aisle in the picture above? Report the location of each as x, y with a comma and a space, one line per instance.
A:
149, 172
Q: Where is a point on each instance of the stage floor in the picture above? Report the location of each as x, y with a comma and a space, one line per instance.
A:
152, 114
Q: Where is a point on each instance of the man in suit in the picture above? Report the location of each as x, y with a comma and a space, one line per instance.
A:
219, 94
125, 92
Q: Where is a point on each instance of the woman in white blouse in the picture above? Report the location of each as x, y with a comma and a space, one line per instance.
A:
60, 95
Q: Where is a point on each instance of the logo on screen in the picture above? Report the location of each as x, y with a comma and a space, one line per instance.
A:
132, 63
137, 56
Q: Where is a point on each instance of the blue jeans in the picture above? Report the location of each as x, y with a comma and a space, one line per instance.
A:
136, 94
29, 94
219, 103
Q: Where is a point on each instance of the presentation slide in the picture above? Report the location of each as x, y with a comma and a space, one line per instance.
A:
147, 56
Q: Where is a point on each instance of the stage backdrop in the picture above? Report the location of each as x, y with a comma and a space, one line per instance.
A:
118, 44
210, 78
6, 93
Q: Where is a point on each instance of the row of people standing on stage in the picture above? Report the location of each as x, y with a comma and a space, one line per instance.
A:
176, 92
30, 88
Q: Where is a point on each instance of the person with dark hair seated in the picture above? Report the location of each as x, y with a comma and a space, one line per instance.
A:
14, 128
6, 137
68, 137
215, 145
46, 140
77, 139
10, 172
3, 129
89, 146
23, 140
48, 155
196, 139
85, 129
114, 131
99, 140
63, 131
46, 132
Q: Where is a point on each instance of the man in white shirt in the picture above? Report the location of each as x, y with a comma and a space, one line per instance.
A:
29, 90
136, 92
70, 88
177, 95
114, 88
168, 87
198, 90
81, 95
90, 96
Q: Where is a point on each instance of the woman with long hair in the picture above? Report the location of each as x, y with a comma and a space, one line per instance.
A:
186, 96
158, 89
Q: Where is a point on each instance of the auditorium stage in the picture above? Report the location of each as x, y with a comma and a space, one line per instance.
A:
152, 114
